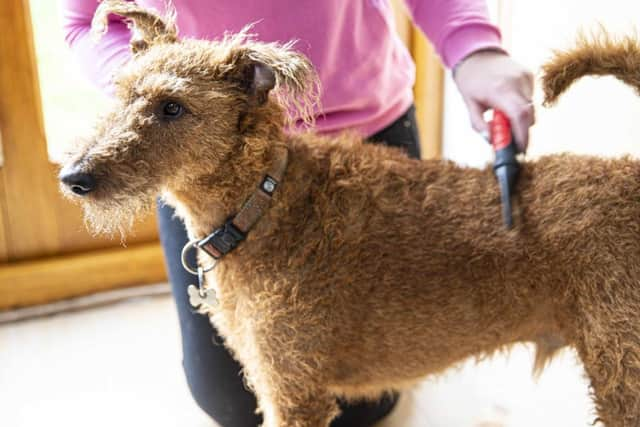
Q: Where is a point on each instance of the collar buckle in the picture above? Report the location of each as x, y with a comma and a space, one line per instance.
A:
223, 240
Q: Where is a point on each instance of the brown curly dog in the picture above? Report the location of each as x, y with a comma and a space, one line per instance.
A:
367, 270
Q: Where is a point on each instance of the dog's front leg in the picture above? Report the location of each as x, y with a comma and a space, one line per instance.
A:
313, 411
289, 403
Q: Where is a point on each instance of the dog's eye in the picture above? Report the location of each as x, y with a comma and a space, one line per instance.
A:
171, 110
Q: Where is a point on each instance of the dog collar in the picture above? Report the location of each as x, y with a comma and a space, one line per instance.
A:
235, 229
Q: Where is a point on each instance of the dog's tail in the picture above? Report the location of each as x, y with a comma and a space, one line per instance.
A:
600, 55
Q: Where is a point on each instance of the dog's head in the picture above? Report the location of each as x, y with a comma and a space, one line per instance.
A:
183, 109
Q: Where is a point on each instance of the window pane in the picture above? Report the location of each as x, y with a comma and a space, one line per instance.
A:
69, 102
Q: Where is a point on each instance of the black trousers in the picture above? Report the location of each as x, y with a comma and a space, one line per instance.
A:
212, 374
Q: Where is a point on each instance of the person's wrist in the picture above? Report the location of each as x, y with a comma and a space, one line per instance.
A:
476, 53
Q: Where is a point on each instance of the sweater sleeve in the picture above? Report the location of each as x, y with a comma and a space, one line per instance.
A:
99, 59
456, 28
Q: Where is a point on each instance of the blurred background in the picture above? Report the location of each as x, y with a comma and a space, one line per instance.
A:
88, 333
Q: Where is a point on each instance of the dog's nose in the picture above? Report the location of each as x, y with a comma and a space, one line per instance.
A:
80, 183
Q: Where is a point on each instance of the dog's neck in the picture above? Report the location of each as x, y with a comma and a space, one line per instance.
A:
213, 197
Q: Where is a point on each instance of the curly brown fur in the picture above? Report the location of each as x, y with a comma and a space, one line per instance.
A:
371, 270
599, 54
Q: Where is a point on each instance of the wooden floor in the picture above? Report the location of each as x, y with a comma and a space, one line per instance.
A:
119, 365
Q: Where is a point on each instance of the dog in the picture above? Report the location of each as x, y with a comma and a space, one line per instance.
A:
356, 270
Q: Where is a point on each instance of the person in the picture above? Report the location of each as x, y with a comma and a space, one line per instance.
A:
367, 76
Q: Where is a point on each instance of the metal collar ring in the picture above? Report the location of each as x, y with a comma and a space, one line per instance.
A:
185, 264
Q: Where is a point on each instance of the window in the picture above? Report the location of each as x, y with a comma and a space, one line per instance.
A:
69, 102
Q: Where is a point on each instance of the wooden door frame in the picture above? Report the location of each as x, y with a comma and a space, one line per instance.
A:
428, 93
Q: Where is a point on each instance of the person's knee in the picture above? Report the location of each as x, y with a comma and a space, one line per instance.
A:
228, 403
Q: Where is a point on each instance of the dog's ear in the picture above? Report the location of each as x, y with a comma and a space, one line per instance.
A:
148, 27
257, 80
264, 68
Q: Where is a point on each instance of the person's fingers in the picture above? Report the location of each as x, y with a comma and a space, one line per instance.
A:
523, 119
526, 114
476, 115
527, 84
521, 114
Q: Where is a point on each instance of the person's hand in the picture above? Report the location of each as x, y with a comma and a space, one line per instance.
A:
491, 79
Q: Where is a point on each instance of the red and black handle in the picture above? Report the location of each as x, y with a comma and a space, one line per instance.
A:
506, 165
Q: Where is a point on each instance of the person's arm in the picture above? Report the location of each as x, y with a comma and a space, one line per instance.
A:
98, 59
456, 28
486, 76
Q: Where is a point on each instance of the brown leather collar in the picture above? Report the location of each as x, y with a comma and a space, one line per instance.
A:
226, 238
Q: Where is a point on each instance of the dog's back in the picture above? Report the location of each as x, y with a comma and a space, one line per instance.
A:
400, 268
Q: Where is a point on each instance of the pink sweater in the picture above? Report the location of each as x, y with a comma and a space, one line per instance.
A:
365, 70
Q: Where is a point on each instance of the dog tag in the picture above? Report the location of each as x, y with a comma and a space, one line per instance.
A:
206, 300
201, 298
